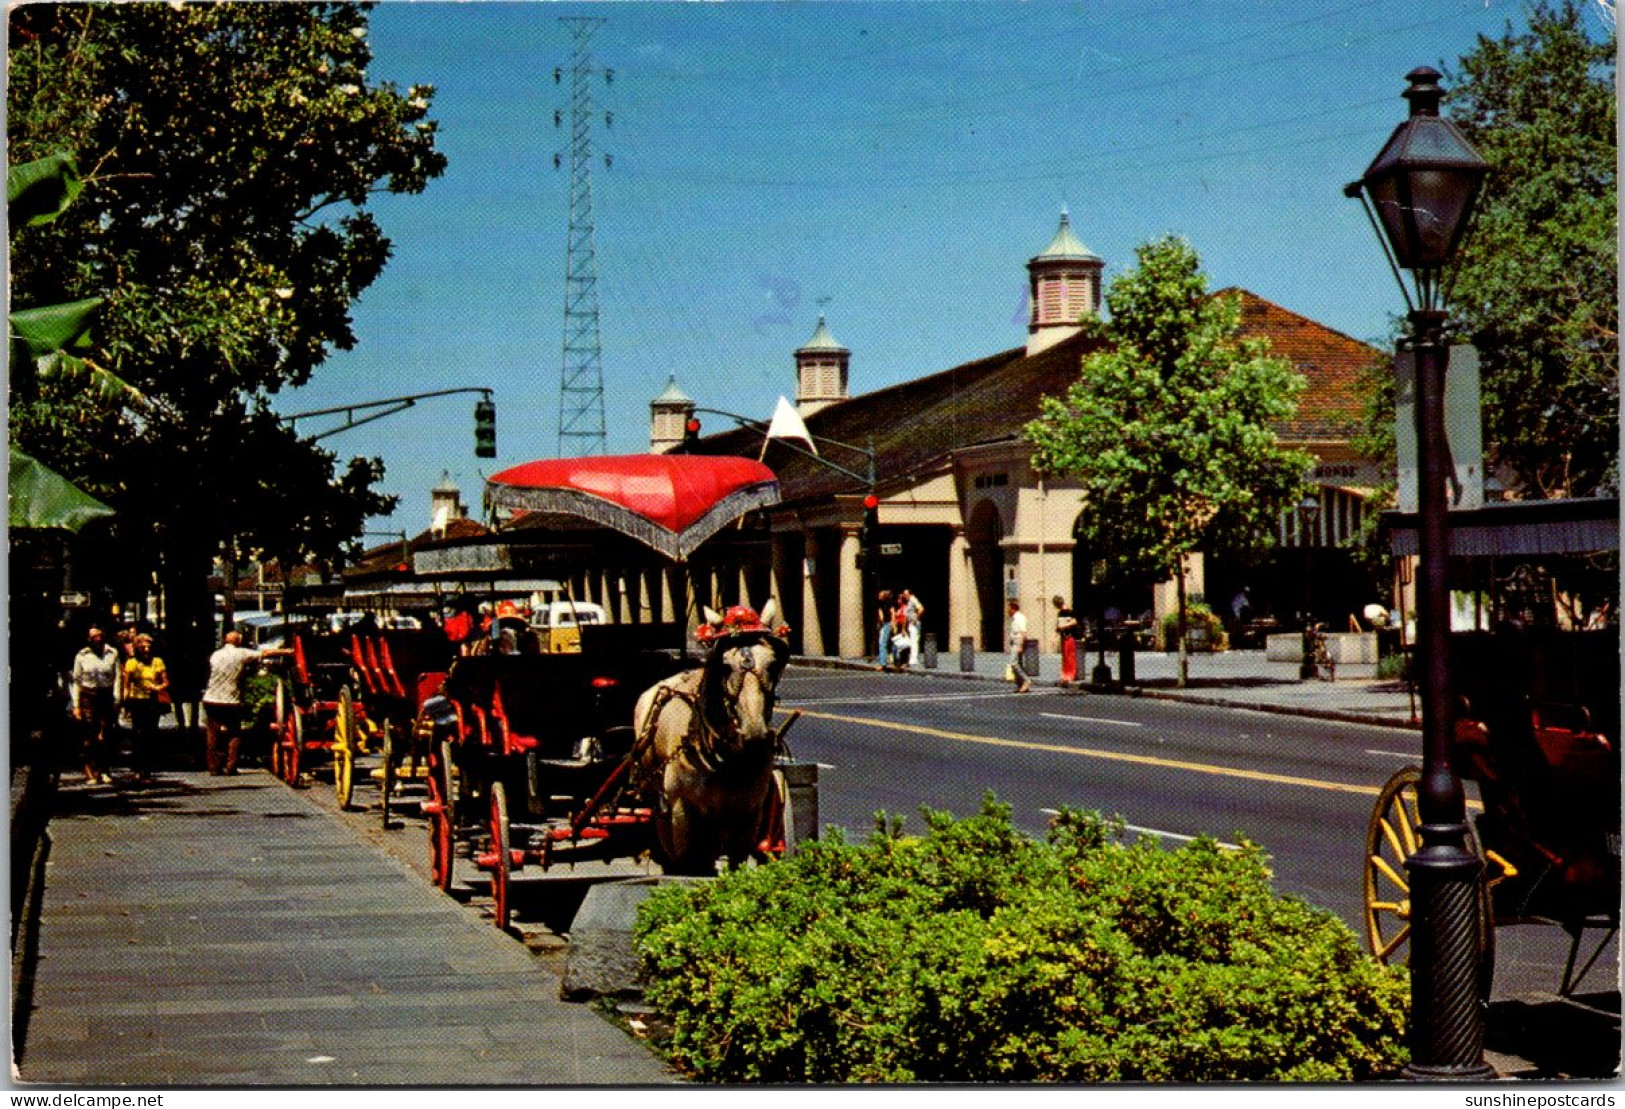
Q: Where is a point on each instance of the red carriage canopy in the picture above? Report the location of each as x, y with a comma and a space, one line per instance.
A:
671, 502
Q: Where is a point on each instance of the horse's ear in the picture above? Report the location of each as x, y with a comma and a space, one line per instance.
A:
712, 616
770, 612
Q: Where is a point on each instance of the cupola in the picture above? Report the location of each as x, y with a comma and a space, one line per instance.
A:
445, 504
668, 413
821, 368
1064, 285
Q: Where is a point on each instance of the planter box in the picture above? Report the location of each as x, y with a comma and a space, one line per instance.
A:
1285, 647
1343, 647
1359, 648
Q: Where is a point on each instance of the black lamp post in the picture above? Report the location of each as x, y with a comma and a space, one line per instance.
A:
1423, 186
1309, 514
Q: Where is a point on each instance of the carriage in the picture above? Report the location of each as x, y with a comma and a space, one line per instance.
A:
318, 711
1536, 728
399, 669
545, 760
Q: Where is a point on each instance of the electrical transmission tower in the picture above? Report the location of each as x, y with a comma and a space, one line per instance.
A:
581, 392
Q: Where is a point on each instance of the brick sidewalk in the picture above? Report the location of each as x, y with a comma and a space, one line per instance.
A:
229, 931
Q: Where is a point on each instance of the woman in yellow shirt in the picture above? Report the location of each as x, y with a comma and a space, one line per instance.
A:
146, 691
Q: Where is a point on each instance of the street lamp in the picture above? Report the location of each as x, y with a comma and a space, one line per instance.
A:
1309, 514
1423, 186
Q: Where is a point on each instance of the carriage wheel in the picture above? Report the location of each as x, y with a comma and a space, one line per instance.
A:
440, 820
503, 868
279, 724
387, 786
1391, 838
344, 744
293, 747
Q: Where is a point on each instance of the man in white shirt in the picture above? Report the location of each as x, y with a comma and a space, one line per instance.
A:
223, 700
94, 687
1016, 638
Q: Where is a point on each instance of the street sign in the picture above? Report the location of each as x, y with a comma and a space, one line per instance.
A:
75, 600
891, 548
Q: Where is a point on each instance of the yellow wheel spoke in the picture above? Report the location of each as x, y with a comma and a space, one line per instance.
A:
1393, 839
1411, 819
1388, 948
1393, 876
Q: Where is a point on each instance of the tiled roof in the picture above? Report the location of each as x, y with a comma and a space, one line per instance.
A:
1330, 407
388, 556
917, 423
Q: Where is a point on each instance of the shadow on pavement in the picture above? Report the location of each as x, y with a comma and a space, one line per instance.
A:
1555, 1037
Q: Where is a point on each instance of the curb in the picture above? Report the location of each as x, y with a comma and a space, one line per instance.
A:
820, 662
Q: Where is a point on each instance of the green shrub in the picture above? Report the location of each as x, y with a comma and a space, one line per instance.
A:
1197, 616
974, 954
1395, 667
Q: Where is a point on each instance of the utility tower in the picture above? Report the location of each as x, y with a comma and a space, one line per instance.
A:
581, 392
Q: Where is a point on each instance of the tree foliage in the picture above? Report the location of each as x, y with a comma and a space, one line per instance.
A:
225, 156
1170, 428
1537, 282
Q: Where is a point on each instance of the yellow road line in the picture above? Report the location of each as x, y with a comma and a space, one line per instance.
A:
1110, 756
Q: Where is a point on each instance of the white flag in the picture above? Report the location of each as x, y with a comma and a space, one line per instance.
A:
788, 424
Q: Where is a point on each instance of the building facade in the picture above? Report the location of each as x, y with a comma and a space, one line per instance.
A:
967, 524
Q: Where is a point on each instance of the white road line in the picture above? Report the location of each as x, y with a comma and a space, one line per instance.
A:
1159, 833
905, 698
1393, 754
1094, 720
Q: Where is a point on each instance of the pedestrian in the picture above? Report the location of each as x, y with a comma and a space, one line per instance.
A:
1066, 629
146, 694
883, 616
95, 697
1016, 638
912, 611
223, 700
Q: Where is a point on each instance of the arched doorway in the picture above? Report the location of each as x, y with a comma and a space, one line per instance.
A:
1096, 592
984, 535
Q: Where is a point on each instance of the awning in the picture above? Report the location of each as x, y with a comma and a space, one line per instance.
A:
1516, 528
671, 503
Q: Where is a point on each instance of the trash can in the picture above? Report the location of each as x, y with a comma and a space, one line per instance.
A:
928, 652
967, 654
1125, 657
1029, 657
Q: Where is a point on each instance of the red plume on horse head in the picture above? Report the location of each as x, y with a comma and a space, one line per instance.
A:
741, 620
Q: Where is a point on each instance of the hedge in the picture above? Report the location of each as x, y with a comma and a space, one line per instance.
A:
973, 953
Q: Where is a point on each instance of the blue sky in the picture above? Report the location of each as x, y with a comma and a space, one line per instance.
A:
899, 161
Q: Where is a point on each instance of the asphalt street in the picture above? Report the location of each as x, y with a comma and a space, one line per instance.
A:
1301, 788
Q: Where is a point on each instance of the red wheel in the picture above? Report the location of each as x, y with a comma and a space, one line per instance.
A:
440, 816
502, 867
294, 749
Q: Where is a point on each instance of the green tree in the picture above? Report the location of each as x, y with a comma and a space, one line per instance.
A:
1537, 283
1170, 428
228, 153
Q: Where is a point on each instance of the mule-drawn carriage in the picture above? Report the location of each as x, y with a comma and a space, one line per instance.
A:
631, 745
1536, 727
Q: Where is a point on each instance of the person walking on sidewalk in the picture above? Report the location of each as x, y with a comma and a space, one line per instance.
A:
912, 611
146, 692
1016, 637
883, 616
223, 700
95, 687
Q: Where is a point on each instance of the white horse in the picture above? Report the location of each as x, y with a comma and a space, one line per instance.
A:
705, 743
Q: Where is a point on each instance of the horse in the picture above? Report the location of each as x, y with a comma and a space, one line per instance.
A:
705, 743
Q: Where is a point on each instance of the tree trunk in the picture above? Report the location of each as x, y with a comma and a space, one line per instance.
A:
1179, 628
189, 612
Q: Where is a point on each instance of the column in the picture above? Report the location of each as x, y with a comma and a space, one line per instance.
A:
812, 635
964, 613
851, 596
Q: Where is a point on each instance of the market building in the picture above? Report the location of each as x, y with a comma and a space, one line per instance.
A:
964, 520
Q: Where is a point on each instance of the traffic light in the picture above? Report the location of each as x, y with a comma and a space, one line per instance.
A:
485, 429
869, 532
691, 433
